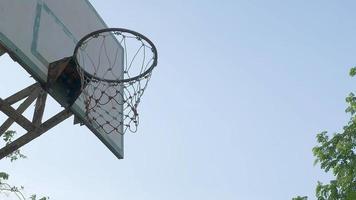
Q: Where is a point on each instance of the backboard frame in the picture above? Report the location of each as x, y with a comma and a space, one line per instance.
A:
19, 56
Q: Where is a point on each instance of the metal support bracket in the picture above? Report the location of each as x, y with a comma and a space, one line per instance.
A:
2, 50
35, 127
63, 77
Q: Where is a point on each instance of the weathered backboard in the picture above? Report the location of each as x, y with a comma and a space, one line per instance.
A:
39, 32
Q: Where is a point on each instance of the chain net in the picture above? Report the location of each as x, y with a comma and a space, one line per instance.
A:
115, 67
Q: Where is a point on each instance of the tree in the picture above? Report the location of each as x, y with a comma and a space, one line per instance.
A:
337, 154
300, 198
6, 188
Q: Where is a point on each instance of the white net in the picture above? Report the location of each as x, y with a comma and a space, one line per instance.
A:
115, 66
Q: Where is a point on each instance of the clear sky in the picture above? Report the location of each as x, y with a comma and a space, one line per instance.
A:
241, 89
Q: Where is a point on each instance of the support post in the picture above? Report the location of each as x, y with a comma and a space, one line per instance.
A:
39, 109
35, 127
31, 135
18, 96
23, 106
17, 117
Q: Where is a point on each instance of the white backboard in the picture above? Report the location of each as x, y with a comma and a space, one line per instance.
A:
39, 32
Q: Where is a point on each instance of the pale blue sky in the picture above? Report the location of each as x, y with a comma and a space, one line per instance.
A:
231, 112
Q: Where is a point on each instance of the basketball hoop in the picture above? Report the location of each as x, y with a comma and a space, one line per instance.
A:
115, 66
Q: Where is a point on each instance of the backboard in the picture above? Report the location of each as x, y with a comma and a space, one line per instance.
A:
39, 32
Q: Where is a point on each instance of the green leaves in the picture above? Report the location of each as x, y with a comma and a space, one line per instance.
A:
5, 188
351, 100
300, 198
352, 71
3, 177
34, 197
8, 138
337, 153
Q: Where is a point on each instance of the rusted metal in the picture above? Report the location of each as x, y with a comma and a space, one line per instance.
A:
77, 121
2, 50
55, 69
63, 78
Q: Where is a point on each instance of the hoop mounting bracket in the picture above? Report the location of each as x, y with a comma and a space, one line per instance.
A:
2, 50
63, 78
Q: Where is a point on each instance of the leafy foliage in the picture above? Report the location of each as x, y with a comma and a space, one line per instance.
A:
337, 154
300, 198
8, 138
6, 188
34, 197
3, 177
353, 71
